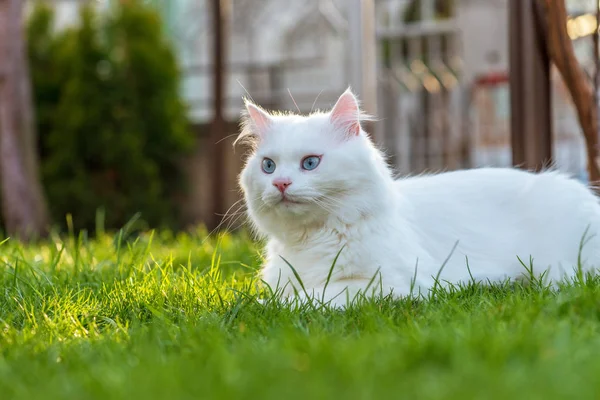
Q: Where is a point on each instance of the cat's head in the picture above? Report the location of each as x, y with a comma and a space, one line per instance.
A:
305, 169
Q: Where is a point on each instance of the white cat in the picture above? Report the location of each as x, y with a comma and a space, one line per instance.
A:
316, 187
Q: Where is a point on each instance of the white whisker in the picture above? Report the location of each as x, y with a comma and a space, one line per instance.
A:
315, 102
229, 218
298, 108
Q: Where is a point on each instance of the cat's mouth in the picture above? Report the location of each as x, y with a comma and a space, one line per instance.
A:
287, 200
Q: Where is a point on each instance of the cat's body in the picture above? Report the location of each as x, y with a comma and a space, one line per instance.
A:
395, 235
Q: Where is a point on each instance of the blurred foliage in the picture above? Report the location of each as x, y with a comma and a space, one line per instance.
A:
443, 9
112, 125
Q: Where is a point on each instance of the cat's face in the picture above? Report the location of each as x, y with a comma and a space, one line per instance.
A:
306, 168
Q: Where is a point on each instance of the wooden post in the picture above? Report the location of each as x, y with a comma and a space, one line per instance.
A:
220, 13
530, 94
362, 61
596, 44
553, 14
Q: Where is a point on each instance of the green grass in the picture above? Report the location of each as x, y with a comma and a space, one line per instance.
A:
164, 317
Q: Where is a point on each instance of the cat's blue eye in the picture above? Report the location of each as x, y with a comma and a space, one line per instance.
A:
311, 162
268, 165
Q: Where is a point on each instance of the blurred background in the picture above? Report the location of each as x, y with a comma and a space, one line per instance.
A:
134, 104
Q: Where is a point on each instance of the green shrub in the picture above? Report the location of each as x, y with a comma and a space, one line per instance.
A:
112, 125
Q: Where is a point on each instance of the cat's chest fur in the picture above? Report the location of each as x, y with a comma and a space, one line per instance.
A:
360, 251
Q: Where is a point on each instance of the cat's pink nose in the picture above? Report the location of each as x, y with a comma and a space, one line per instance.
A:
282, 184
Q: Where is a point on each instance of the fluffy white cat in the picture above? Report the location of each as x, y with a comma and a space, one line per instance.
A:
318, 188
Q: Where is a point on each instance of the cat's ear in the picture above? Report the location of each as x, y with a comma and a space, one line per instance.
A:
255, 121
346, 113
258, 117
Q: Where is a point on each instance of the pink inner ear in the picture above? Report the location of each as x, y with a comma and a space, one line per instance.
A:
259, 118
346, 113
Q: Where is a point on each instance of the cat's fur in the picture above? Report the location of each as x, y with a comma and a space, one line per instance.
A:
402, 231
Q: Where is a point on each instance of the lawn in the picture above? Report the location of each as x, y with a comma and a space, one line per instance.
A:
159, 316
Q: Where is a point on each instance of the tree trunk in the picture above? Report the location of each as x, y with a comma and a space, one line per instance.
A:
29, 143
23, 205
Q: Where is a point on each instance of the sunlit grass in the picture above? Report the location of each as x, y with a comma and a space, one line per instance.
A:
175, 316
